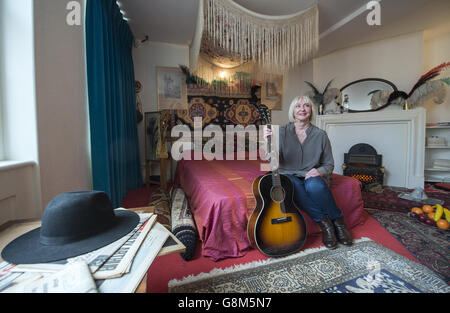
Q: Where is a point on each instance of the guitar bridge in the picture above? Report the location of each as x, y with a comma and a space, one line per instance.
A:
281, 220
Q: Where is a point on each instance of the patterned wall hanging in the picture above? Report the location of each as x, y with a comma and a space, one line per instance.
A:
218, 111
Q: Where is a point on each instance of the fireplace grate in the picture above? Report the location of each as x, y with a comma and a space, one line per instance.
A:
365, 164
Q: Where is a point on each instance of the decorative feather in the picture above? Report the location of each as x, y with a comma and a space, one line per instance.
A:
429, 75
436, 89
316, 92
328, 86
446, 80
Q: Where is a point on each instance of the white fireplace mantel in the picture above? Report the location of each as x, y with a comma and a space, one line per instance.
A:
398, 135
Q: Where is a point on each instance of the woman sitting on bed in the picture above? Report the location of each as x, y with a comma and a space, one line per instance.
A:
305, 156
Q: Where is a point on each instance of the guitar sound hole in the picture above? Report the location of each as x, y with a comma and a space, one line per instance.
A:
277, 194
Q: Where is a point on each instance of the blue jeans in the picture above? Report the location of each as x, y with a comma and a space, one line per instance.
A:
315, 198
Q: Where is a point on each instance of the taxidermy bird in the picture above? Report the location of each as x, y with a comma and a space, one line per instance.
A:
328, 101
423, 90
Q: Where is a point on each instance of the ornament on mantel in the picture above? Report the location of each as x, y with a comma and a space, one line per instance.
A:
329, 101
423, 90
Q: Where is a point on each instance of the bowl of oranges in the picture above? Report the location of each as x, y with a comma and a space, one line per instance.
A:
432, 215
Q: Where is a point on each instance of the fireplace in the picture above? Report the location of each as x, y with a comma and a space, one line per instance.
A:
396, 134
364, 163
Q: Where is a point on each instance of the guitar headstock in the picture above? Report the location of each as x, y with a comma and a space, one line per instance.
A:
264, 113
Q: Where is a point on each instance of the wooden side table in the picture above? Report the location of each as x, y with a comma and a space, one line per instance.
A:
162, 172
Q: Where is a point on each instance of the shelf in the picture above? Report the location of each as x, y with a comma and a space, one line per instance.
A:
437, 180
437, 127
433, 174
437, 147
437, 169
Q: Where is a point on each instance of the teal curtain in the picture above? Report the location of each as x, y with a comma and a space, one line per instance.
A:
112, 101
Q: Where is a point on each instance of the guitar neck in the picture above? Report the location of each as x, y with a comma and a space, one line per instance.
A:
275, 172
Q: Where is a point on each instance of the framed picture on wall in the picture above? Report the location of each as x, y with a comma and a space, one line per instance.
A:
171, 87
272, 92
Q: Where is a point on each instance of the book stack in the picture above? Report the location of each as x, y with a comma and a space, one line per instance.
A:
441, 164
438, 124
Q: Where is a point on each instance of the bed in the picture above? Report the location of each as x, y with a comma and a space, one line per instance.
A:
221, 200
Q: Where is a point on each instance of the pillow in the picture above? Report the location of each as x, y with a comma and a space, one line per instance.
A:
183, 225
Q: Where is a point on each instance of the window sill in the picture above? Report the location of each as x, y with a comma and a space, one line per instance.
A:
10, 165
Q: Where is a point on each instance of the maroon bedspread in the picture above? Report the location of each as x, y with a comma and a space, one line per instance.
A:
221, 200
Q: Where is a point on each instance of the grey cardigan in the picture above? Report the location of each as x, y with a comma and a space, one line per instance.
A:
298, 158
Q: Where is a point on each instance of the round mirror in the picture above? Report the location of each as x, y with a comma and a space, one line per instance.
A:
366, 95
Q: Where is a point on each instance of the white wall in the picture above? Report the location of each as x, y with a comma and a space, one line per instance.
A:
398, 59
437, 51
146, 58
61, 101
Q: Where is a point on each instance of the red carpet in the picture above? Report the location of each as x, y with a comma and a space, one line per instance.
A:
168, 267
139, 197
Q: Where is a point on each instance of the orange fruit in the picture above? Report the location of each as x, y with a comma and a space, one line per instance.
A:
431, 215
417, 210
442, 224
427, 208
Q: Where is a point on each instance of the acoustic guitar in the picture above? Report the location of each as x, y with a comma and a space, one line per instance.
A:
276, 227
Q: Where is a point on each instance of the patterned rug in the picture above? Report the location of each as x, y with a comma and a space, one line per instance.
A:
365, 267
388, 199
429, 245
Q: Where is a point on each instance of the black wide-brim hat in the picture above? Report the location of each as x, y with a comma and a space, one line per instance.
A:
73, 224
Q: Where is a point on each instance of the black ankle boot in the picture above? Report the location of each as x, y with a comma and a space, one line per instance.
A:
342, 233
328, 233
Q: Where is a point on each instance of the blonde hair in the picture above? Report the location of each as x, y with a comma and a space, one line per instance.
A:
294, 102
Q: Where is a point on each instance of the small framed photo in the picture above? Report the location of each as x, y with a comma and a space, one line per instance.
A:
272, 93
172, 89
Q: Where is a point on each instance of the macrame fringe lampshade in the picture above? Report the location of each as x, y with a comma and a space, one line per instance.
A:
231, 38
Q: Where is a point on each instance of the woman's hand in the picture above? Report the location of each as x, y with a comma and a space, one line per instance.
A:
267, 132
313, 173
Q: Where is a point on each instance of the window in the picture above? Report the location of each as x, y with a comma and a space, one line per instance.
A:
17, 82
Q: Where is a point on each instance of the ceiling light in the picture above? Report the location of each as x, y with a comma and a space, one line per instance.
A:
223, 74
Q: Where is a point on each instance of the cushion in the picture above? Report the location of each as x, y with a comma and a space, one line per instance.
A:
161, 201
183, 225
347, 194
